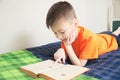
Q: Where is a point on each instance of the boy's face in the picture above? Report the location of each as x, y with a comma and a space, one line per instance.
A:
62, 29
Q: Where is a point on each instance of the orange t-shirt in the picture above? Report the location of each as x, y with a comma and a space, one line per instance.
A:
89, 45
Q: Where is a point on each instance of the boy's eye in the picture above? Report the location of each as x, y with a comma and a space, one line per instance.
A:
55, 33
62, 32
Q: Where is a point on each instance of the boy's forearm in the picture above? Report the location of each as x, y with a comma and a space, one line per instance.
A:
74, 59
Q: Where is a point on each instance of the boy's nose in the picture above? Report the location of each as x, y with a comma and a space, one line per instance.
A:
59, 37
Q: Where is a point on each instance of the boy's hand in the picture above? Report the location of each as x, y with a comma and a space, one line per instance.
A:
60, 56
71, 37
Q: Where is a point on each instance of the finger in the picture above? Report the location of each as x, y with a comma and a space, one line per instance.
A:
58, 60
72, 37
72, 34
63, 60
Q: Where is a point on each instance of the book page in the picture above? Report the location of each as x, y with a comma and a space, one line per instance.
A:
64, 72
50, 70
41, 66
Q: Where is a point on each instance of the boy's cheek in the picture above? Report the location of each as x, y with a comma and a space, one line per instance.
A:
67, 34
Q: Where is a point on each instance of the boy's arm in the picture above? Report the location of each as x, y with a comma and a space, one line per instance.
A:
74, 59
60, 56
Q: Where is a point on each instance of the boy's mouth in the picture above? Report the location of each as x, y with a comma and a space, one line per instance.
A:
64, 39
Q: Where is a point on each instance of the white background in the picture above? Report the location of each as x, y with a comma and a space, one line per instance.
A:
22, 22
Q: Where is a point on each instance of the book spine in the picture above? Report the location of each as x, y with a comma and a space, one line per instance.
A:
40, 75
32, 74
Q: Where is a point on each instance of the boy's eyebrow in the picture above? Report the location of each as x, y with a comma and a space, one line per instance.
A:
59, 31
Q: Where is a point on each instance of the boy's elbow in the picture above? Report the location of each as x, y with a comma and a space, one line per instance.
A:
82, 62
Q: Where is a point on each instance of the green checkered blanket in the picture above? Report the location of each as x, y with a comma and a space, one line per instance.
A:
10, 63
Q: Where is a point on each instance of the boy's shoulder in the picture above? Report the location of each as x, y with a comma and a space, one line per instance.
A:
81, 28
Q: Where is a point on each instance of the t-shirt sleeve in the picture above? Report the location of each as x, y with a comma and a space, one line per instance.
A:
89, 49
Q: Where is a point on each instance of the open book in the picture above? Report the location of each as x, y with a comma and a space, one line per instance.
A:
50, 70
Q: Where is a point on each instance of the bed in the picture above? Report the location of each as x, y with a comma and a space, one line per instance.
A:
107, 67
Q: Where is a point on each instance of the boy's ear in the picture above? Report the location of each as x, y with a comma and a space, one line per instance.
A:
75, 21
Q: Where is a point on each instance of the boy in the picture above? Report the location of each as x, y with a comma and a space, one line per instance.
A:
78, 43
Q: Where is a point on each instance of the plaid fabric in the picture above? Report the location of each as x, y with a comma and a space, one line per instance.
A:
11, 62
45, 51
107, 67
